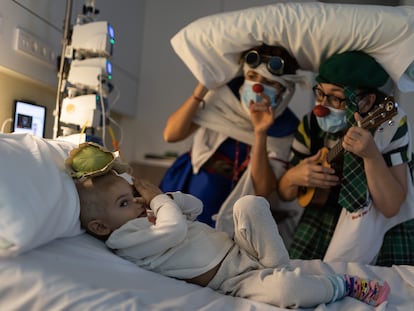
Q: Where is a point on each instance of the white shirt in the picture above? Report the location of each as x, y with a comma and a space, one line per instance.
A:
176, 246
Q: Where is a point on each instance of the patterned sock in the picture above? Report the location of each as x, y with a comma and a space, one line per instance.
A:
372, 292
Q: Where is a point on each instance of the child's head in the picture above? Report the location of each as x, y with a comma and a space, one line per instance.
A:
106, 203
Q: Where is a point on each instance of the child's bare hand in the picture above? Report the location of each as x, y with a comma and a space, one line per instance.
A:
146, 189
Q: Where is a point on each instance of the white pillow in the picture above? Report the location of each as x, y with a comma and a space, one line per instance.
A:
38, 200
211, 46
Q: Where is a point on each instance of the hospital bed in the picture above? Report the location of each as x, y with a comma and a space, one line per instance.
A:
48, 263
79, 273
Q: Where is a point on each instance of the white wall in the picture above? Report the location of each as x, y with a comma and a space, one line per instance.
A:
164, 80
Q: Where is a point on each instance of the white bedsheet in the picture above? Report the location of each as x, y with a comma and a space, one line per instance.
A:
79, 273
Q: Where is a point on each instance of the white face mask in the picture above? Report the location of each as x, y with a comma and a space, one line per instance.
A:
334, 122
247, 94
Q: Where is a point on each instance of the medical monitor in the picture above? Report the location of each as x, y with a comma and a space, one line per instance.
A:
29, 118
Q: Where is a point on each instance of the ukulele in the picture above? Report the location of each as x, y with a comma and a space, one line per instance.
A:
318, 196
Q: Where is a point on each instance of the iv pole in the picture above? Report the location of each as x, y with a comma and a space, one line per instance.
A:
62, 72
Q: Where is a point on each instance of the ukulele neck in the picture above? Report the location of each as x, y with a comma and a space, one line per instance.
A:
334, 151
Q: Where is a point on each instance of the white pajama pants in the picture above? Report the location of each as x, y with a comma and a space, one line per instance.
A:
258, 265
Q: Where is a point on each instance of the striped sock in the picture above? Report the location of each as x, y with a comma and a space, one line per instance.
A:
339, 285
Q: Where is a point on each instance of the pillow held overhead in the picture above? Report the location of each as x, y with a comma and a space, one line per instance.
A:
312, 31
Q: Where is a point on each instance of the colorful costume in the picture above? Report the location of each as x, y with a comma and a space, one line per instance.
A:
317, 225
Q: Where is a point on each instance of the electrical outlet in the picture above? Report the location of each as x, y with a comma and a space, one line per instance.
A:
29, 45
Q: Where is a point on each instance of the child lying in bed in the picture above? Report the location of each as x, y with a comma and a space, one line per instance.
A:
159, 232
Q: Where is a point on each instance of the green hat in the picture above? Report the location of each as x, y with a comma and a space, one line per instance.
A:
352, 69
90, 159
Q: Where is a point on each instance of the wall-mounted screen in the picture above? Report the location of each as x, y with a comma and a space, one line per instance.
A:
29, 118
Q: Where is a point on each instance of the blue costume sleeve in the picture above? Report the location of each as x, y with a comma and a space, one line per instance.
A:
284, 125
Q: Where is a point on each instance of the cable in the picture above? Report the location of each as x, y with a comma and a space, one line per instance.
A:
118, 95
82, 132
103, 112
114, 141
121, 134
4, 124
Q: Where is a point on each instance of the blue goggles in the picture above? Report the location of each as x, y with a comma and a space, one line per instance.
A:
274, 64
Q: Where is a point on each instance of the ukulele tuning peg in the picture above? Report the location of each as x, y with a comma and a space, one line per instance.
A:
389, 105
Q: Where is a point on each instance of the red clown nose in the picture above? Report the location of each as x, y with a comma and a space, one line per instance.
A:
257, 88
321, 111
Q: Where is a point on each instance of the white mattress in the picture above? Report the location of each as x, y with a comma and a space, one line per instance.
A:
80, 273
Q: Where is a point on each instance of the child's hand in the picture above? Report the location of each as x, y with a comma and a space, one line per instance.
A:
149, 213
151, 217
146, 189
